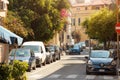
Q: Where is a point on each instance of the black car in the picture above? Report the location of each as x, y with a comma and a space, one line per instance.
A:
55, 51
101, 61
24, 55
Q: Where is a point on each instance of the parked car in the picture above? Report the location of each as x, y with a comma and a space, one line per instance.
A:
75, 50
24, 55
101, 61
39, 50
49, 57
55, 51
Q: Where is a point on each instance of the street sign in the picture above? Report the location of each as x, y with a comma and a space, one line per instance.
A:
117, 28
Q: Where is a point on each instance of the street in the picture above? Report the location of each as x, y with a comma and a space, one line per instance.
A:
70, 67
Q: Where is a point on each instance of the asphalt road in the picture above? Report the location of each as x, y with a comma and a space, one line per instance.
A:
70, 67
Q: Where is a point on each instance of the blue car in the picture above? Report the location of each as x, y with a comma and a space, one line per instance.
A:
75, 50
101, 61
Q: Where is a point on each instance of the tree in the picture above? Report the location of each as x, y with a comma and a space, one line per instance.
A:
14, 24
101, 26
40, 16
76, 35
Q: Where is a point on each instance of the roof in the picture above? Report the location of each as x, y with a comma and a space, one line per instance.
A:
6, 1
92, 2
9, 36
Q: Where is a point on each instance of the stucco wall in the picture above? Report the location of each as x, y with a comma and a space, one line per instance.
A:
4, 52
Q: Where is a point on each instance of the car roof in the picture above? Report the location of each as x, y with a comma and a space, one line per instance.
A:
21, 49
33, 43
99, 51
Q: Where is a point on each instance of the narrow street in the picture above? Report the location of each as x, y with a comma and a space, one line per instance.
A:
70, 67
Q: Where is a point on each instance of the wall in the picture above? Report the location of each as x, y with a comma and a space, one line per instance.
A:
4, 52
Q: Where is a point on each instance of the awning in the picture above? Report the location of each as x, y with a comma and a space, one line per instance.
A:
10, 36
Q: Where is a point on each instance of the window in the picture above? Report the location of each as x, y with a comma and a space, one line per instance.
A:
79, 21
1, 5
78, 8
41, 49
68, 36
86, 8
97, 8
73, 21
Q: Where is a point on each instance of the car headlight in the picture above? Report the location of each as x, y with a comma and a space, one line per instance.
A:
90, 62
113, 63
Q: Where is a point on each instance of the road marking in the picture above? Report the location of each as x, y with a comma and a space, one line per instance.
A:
72, 76
54, 76
90, 77
108, 77
36, 76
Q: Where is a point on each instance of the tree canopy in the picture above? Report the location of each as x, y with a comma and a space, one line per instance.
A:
101, 25
40, 18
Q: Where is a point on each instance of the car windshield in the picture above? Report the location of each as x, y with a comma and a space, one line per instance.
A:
51, 48
76, 47
33, 47
20, 52
99, 54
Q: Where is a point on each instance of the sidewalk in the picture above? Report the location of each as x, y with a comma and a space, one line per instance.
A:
63, 53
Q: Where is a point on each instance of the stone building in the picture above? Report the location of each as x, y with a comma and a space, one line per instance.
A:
82, 9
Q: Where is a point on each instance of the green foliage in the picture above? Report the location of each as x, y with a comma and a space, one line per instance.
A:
41, 18
15, 24
13, 72
19, 69
101, 25
5, 72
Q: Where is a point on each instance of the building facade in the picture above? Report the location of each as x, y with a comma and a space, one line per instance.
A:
4, 48
83, 9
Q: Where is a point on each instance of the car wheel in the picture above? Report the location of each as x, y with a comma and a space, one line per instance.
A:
44, 63
54, 59
29, 70
40, 64
87, 72
59, 57
34, 68
49, 61
115, 73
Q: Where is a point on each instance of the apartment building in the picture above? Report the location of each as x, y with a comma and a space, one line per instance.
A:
82, 9
3, 8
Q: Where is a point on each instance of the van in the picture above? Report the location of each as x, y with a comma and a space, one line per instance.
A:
39, 50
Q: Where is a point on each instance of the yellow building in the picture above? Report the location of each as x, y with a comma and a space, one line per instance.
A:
82, 9
4, 48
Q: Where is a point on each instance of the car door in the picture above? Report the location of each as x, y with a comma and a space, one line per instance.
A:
43, 53
33, 59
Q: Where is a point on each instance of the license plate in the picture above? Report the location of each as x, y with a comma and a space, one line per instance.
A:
101, 70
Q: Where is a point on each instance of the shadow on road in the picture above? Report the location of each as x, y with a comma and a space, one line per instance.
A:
68, 71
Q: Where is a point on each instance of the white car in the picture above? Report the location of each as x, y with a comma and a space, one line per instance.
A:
39, 50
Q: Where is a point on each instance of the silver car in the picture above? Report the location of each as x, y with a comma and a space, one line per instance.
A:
24, 55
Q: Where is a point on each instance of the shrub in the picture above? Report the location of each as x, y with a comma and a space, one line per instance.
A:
17, 71
5, 72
